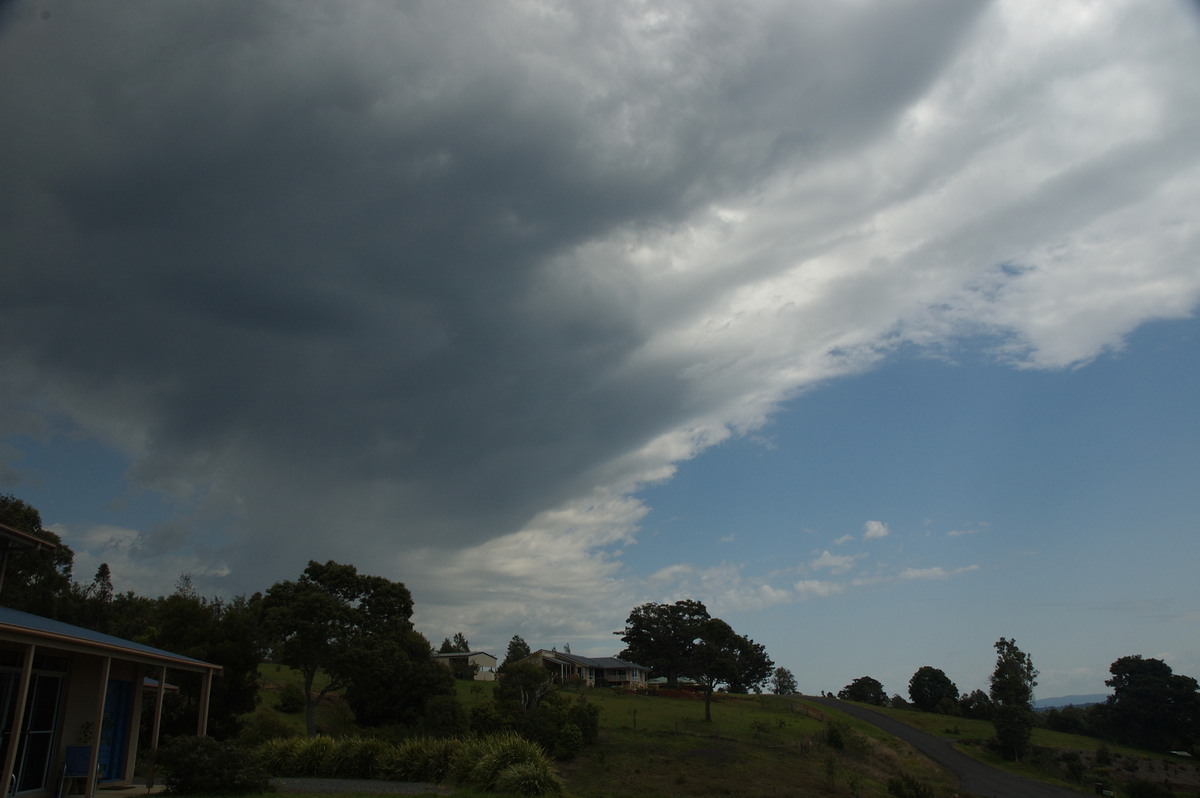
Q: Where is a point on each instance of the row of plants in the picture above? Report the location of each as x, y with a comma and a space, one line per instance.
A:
504, 762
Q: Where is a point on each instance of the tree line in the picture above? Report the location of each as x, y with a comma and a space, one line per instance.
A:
1150, 706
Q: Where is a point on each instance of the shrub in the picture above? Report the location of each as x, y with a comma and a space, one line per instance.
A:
445, 717
907, 786
487, 719
421, 759
311, 755
292, 699
833, 737
203, 765
569, 741
1139, 788
529, 778
586, 717
501, 752
277, 757
263, 725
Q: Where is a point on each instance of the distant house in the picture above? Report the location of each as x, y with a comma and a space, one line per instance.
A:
593, 671
483, 661
68, 694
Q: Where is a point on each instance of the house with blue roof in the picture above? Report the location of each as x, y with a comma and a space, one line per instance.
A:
71, 700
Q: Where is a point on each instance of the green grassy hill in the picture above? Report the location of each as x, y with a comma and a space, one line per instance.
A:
769, 746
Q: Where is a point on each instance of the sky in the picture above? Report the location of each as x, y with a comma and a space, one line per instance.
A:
873, 327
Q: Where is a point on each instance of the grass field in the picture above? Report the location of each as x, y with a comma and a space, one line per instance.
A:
761, 746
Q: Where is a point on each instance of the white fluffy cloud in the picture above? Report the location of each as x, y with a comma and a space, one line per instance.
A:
874, 530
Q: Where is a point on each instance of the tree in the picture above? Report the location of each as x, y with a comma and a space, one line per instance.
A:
783, 682
976, 705
929, 686
329, 617
662, 637
35, 581
722, 656
1151, 706
389, 678
518, 649
866, 690
1012, 684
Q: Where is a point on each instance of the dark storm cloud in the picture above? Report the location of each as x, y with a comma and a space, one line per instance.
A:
375, 267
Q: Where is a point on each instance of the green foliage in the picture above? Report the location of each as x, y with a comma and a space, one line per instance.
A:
662, 636
356, 629
36, 581
262, 726
783, 682
929, 687
518, 649
1014, 677
1140, 788
529, 778
488, 719
585, 716
866, 690
1014, 727
423, 759
568, 742
202, 765
834, 738
445, 717
292, 699
277, 756
1151, 706
907, 786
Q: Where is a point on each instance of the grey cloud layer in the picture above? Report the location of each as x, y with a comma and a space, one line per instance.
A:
408, 268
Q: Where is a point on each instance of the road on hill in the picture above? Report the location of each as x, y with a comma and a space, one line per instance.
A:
974, 776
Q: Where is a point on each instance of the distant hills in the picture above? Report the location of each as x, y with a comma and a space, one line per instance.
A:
1070, 701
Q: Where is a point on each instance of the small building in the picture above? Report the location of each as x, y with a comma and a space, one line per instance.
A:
69, 692
592, 671
483, 662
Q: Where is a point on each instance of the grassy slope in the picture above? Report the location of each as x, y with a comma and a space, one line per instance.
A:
1046, 763
755, 746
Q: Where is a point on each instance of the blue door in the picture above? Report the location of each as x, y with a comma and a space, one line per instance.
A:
114, 734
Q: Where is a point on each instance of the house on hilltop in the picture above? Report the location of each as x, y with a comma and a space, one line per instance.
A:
457, 661
592, 671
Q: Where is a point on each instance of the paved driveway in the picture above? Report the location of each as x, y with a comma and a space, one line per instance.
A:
974, 776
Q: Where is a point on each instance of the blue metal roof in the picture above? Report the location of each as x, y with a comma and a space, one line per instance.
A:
49, 630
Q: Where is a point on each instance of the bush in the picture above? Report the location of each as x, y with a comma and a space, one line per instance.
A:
292, 699
500, 753
422, 759
262, 726
1139, 788
445, 717
277, 757
906, 786
194, 765
586, 717
529, 778
569, 742
487, 719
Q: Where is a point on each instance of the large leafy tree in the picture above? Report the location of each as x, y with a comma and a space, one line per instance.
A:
682, 639
1151, 706
929, 687
720, 656
783, 682
36, 581
864, 689
662, 637
1012, 684
332, 619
